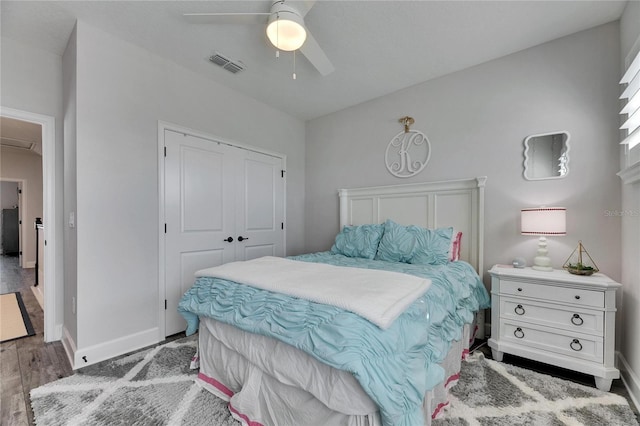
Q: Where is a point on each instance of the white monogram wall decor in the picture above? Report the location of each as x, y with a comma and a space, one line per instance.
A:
408, 152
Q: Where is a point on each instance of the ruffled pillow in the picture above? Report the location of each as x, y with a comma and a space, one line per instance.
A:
413, 244
358, 241
397, 244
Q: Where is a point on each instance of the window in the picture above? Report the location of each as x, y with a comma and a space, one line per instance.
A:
630, 114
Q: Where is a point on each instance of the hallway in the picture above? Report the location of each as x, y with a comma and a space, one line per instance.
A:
28, 362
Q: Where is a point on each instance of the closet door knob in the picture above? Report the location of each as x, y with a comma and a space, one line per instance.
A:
229, 239
241, 238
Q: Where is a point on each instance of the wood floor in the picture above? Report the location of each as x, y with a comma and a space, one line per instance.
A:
28, 362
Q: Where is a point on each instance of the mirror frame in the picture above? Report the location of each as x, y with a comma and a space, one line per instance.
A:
526, 156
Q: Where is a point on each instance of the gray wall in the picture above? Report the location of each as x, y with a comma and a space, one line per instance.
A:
26, 166
477, 120
629, 312
31, 81
121, 91
69, 83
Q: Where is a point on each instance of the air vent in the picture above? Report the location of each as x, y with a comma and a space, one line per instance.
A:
17, 143
226, 63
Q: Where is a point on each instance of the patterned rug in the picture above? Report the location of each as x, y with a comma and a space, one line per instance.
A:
492, 393
150, 387
156, 387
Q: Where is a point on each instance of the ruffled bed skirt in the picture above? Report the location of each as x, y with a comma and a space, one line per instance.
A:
267, 382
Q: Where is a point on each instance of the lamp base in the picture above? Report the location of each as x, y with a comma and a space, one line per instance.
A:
542, 262
542, 268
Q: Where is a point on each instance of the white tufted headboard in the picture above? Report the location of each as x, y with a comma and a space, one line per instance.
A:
457, 203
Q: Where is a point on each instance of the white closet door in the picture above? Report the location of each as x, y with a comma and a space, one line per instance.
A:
199, 213
259, 206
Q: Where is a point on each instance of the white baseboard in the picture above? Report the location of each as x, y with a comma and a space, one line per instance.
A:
37, 292
630, 379
100, 352
69, 345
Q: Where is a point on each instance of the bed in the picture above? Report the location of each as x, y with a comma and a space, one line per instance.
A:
369, 333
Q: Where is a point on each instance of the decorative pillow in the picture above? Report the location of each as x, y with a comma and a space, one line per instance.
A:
432, 246
456, 243
413, 244
397, 243
358, 241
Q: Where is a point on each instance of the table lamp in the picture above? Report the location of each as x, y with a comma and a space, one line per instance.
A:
543, 221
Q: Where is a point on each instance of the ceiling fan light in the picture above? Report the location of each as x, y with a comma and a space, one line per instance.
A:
286, 31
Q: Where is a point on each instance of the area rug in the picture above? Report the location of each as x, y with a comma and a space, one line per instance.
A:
491, 393
156, 387
14, 319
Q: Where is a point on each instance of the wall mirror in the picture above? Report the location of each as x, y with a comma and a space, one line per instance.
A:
546, 156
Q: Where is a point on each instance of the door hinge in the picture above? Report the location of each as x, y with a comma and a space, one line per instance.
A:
282, 173
20, 253
165, 228
281, 225
165, 304
19, 222
165, 151
19, 191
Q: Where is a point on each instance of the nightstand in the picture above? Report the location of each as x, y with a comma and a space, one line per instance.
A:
557, 318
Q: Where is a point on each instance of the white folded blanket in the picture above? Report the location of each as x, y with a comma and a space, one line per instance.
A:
378, 296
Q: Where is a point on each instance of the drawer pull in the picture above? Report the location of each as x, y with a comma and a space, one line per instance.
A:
576, 345
519, 288
520, 334
577, 297
519, 310
576, 320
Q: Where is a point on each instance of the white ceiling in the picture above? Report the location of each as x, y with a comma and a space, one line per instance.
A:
377, 47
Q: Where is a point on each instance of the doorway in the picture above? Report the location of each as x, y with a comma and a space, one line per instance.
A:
10, 221
53, 297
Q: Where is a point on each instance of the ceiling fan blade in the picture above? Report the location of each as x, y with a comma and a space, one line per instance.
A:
314, 53
302, 6
227, 18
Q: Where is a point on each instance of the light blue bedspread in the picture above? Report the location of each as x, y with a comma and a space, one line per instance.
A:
395, 367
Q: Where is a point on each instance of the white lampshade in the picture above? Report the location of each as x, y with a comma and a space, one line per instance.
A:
286, 28
544, 221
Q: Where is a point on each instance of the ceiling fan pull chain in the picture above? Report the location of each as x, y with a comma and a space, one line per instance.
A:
294, 64
277, 35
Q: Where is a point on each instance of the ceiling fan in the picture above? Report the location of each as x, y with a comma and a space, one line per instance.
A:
284, 26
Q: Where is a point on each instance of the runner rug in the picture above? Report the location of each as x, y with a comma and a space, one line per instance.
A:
14, 319
156, 387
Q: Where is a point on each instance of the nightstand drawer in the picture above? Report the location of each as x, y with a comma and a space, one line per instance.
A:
540, 338
558, 316
574, 296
